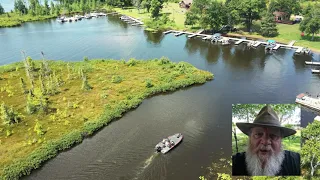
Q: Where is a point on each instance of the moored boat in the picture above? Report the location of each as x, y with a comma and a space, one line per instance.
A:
169, 143
308, 101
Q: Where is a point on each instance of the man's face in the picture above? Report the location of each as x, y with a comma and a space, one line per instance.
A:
265, 142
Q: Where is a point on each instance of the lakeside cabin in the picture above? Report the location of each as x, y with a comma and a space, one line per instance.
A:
185, 4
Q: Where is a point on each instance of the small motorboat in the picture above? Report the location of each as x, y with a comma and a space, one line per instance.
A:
270, 45
216, 37
225, 41
169, 143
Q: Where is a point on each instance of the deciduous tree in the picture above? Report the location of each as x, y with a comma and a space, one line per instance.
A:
248, 10
1, 9
311, 22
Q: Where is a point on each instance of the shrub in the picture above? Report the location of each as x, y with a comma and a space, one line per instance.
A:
116, 79
8, 115
85, 59
39, 129
132, 62
149, 83
164, 60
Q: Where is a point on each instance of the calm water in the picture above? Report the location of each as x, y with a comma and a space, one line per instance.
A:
124, 150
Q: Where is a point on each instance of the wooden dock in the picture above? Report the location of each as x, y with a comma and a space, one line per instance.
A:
276, 47
167, 32
238, 42
179, 33
196, 34
131, 20
315, 71
207, 37
291, 43
312, 63
257, 44
299, 49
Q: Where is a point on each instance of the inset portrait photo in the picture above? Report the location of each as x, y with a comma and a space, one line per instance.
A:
266, 140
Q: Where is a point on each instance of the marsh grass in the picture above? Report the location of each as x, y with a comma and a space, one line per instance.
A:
74, 113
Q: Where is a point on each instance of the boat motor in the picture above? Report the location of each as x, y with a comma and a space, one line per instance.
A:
158, 148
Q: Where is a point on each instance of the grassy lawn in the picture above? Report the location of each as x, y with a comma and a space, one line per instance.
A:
116, 87
175, 13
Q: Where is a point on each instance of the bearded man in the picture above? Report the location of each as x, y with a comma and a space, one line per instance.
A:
265, 155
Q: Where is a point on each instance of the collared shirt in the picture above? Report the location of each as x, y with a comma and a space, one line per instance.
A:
289, 167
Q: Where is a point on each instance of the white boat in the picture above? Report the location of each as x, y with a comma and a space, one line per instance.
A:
87, 16
216, 37
169, 143
102, 14
225, 42
94, 15
310, 102
315, 71
60, 20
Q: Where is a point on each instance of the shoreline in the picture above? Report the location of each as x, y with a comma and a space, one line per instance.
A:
228, 34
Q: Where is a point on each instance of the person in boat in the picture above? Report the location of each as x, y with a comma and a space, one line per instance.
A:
265, 155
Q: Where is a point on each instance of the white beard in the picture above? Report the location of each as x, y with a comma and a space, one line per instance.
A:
272, 166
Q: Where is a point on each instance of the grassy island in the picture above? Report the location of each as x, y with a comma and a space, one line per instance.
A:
48, 106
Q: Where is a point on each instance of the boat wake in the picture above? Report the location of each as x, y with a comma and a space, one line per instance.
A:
149, 160
146, 164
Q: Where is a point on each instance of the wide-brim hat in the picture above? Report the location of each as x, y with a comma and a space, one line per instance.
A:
267, 117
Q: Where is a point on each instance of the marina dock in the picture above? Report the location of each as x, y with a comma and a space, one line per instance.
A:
299, 49
276, 47
131, 20
195, 34
257, 44
238, 41
291, 43
312, 103
312, 63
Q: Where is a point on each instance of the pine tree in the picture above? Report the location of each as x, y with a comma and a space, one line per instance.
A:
29, 67
1, 10
85, 84
8, 115
31, 105
43, 87
268, 26
23, 86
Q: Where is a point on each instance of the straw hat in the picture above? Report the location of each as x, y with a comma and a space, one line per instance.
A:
267, 117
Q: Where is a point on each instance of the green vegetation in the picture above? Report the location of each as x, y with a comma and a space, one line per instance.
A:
209, 14
310, 151
268, 26
311, 21
47, 112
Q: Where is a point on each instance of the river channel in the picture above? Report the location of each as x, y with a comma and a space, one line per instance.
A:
124, 150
